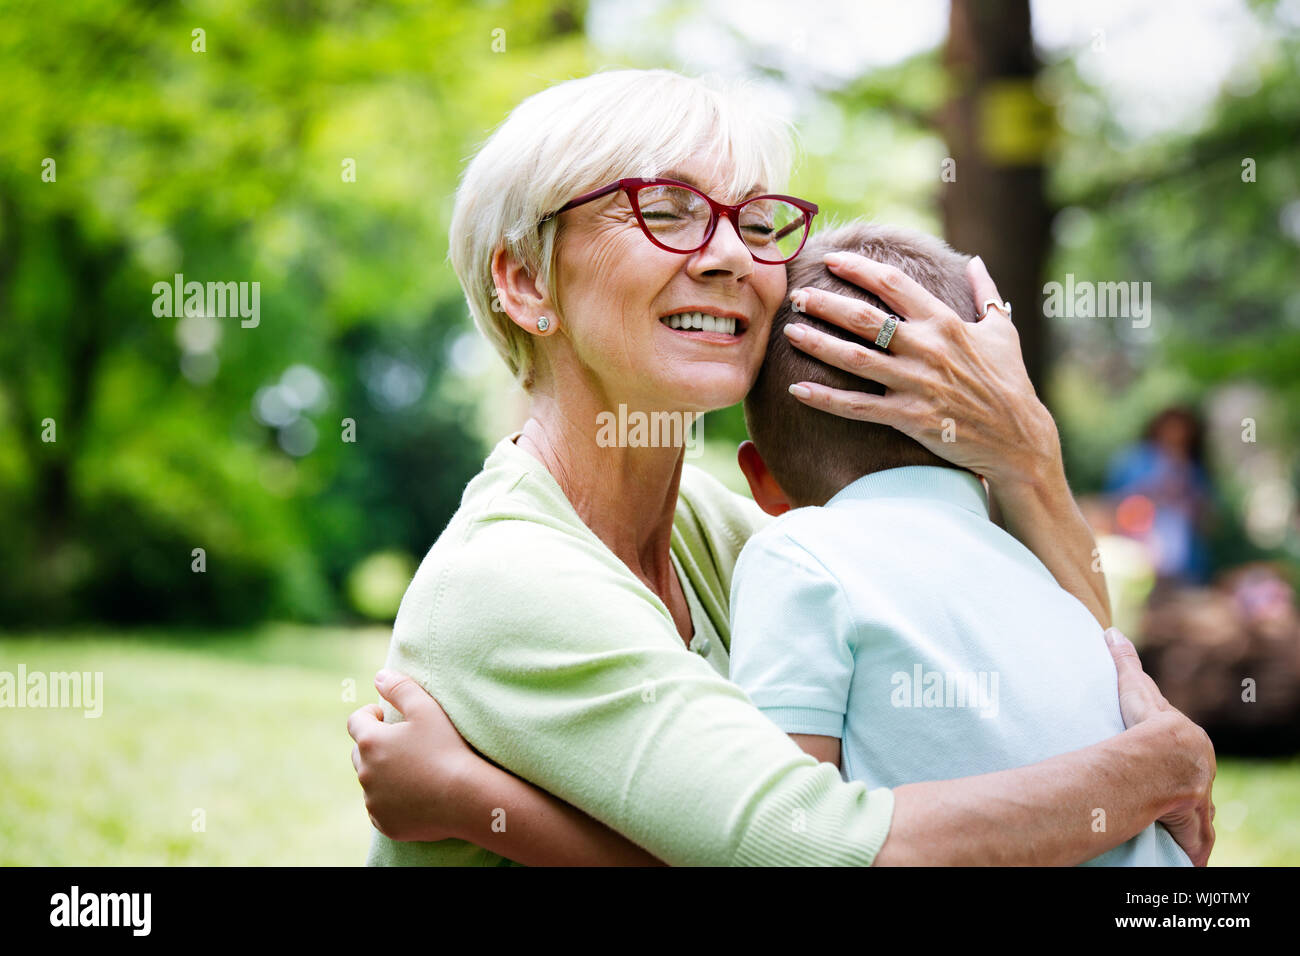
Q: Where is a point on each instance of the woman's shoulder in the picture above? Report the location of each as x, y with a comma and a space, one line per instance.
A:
514, 558
509, 511
514, 505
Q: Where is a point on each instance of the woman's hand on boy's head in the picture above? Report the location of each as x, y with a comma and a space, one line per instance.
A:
958, 388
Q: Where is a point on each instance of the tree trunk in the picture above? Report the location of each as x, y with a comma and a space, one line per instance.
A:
997, 130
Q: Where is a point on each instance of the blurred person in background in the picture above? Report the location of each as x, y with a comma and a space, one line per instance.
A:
1163, 495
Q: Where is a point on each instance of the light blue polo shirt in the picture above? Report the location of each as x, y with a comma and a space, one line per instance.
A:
903, 621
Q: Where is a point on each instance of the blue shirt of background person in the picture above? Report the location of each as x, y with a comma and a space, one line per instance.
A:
1164, 492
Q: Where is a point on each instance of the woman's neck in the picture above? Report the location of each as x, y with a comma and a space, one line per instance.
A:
627, 496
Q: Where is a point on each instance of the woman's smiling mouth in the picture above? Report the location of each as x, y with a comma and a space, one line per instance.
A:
706, 326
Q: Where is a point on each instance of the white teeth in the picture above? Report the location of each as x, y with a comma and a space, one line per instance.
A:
702, 321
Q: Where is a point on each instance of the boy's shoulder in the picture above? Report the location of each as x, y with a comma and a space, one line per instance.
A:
898, 551
796, 529
849, 531
811, 539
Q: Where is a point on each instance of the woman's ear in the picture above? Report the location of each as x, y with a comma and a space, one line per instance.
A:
762, 484
520, 296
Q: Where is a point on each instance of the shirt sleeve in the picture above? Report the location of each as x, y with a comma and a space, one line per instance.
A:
792, 636
569, 673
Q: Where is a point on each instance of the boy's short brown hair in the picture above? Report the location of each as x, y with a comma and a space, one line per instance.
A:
811, 453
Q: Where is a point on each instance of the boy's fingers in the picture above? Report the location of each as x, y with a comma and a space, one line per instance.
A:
851, 357
364, 717
402, 692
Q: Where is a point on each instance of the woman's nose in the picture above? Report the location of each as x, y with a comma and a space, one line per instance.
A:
725, 251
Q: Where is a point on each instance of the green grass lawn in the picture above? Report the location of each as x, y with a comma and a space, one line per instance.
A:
250, 729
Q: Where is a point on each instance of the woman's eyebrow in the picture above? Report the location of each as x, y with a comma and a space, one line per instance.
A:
691, 180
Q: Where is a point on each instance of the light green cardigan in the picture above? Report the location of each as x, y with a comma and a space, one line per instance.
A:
559, 664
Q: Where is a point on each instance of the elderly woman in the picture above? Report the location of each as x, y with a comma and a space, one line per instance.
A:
621, 240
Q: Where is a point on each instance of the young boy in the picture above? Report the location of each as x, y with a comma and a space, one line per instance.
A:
883, 620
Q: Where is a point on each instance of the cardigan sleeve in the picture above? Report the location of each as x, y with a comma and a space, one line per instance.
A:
568, 672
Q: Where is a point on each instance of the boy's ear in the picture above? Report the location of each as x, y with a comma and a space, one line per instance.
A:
762, 484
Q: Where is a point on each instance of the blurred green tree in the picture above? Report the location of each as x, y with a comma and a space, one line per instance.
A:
310, 148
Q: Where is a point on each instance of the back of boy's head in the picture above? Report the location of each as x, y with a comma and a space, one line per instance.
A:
811, 453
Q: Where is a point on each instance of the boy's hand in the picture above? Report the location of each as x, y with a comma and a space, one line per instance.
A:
413, 771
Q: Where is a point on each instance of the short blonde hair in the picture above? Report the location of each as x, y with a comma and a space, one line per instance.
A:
582, 134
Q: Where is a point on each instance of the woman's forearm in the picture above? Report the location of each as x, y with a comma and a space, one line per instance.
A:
1040, 511
511, 817
1058, 812
1046, 814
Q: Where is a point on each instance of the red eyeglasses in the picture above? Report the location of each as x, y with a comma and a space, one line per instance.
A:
677, 217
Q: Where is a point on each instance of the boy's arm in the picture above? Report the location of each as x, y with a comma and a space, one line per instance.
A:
543, 830
422, 782
535, 828
440, 788
825, 749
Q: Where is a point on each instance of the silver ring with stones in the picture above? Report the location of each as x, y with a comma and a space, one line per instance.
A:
886, 332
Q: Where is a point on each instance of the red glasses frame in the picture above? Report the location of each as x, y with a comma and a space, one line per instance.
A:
634, 185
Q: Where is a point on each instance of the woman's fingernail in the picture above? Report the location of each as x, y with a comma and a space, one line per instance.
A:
1113, 635
979, 263
834, 258
381, 677
800, 391
799, 298
795, 333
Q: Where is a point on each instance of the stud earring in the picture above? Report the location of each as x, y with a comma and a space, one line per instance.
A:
543, 324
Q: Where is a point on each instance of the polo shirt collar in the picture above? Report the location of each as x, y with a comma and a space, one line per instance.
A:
928, 482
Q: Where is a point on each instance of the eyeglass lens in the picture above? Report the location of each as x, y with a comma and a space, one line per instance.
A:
679, 218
